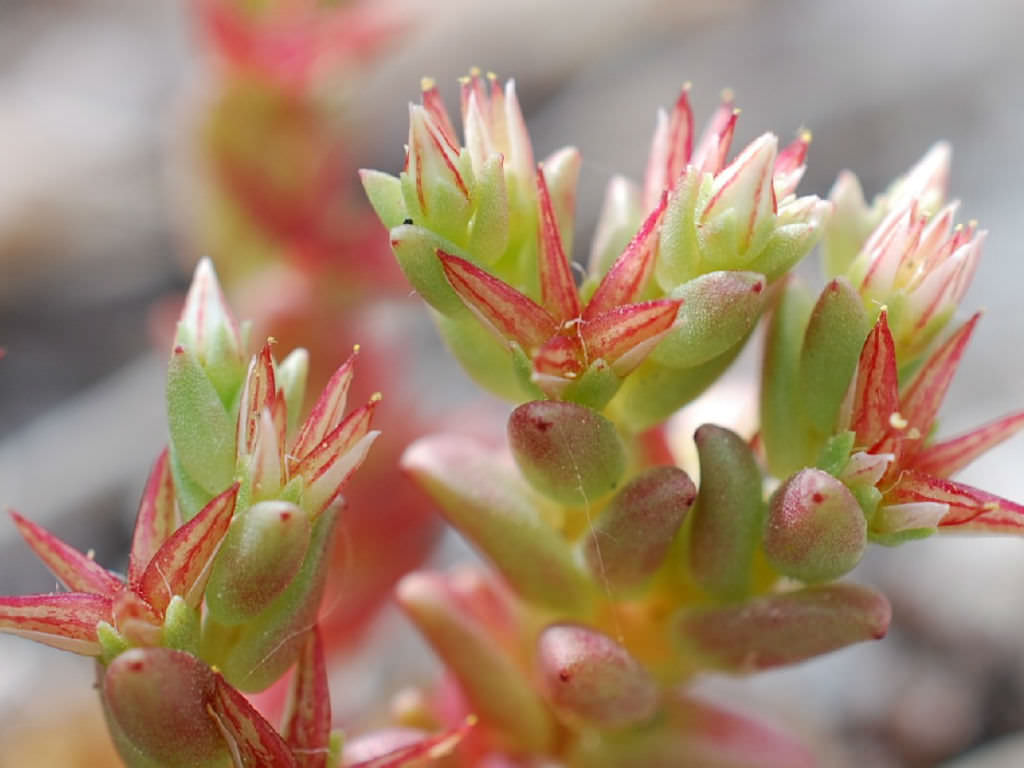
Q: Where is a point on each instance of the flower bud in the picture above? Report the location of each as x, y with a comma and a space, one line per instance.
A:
568, 452
157, 702
262, 552
728, 516
590, 678
630, 539
816, 530
786, 628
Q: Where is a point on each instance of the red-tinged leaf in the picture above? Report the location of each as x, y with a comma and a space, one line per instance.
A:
876, 393
307, 722
921, 401
511, 314
78, 572
628, 275
557, 288
258, 393
329, 409
949, 456
432, 748
66, 621
157, 518
327, 468
624, 329
965, 502
182, 565
715, 141
253, 742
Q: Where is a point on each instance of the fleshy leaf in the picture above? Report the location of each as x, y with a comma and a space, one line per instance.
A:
589, 678
727, 518
182, 564
156, 521
77, 572
492, 680
66, 620
779, 629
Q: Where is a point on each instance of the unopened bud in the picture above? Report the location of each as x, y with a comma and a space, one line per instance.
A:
816, 530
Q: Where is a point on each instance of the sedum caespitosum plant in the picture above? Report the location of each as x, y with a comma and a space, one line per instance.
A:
612, 578
227, 565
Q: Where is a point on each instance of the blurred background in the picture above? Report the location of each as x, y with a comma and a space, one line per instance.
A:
125, 131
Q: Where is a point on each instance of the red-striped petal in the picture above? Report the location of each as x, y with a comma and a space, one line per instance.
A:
307, 723
429, 749
557, 288
965, 502
78, 572
714, 144
66, 621
949, 456
182, 565
157, 518
876, 393
253, 742
435, 107
328, 466
329, 409
511, 314
633, 327
629, 274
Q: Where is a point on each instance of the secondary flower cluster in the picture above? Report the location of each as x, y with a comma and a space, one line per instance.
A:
612, 577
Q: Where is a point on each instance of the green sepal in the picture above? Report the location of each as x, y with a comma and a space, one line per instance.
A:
595, 388
679, 258
727, 520
384, 192
334, 749
787, 447
832, 344
900, 537
835, 454
112, 642
719, 310
786, 247
489, 228
202, 431
869, 497
181, 626
416, 248
494, 364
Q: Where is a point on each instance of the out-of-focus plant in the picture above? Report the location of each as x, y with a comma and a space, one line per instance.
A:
611, 578
228, 562
303, 255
